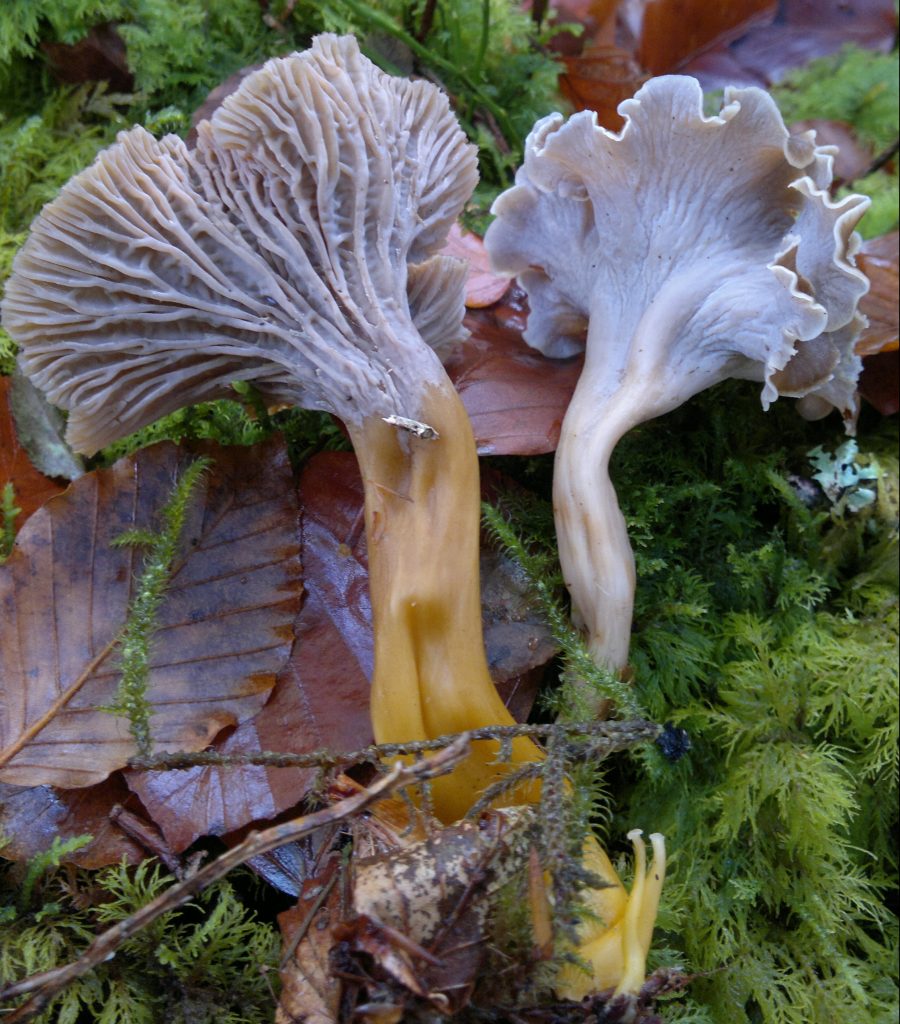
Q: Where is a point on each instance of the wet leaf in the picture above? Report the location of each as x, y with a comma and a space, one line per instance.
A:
670, 33
40, 430
32, 488
801, 31
516, 398
224, 626
599, 78
879, 259
31, 816
483, 286
321, 699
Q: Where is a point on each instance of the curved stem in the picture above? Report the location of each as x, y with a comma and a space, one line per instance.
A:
594, 549
423, 522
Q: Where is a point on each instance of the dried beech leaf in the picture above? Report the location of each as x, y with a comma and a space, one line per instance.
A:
878, 259
224, 626
515, 397
421, 910
32, 816
309, 990
32, 488
40, 430
321, 699
483, 286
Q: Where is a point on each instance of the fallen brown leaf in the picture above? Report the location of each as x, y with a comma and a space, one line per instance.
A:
31, 817
99, 56
879, 259
801, 31
515, 397
32, 488
598, 79
309, 990
224, 626
670, 33
421, 911
483, 286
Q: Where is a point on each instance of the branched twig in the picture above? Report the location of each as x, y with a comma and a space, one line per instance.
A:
49, 984
606, 737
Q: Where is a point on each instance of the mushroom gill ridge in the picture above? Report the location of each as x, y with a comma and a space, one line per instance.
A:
275, 252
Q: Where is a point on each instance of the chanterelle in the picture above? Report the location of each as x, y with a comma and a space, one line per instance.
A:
690, 249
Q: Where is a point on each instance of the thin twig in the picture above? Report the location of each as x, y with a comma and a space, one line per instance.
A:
608, 737
49, 984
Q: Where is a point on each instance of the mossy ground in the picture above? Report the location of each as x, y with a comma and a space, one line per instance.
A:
766, 616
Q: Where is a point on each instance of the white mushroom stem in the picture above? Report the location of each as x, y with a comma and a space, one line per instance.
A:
626, 380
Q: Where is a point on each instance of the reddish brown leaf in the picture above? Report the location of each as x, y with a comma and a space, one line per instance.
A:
672, 32
515, 397
879, 382
99, 57
879, 259
801, 31
30, 818
599, 79
224, 626
32, 488
483, 287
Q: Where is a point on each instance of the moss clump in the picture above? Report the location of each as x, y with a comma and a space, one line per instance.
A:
766, 624
210, 963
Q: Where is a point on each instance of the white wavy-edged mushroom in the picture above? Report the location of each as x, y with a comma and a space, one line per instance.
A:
679, 252
295, 247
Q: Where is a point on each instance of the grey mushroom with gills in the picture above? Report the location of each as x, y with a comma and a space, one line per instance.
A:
296, 247
676, 253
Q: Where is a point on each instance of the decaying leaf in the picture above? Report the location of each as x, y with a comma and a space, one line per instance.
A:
32, 488
310, 992
669, 33
515, 397
801, 31
483, 286
98, 56
598, 79
224, 627
420, 911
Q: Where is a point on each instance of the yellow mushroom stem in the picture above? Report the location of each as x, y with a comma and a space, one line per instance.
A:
615, 946
423, 520
431, 677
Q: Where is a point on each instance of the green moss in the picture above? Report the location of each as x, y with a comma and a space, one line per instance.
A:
208, 963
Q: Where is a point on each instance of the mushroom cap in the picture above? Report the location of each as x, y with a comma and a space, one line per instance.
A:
296, 247
720, 228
